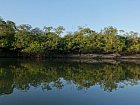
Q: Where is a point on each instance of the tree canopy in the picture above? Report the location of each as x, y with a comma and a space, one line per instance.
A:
49, 40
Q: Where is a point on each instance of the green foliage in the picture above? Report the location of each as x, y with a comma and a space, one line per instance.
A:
34, 47
112, 42
49, 40
7, 32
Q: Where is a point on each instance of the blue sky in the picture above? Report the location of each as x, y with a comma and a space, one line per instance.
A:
96, 14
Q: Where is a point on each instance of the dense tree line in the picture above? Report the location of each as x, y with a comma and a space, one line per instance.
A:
28, 40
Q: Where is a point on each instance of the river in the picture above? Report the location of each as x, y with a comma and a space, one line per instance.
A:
68, 82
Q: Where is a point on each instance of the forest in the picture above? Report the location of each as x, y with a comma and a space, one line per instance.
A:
24, 39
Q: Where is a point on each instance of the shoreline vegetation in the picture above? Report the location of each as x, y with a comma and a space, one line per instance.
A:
28, 42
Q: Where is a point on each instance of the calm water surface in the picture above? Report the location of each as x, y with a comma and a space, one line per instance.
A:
59, 82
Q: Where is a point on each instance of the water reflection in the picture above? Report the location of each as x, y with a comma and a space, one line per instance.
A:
48, 75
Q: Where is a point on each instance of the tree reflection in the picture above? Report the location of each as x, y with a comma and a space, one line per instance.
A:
49, 75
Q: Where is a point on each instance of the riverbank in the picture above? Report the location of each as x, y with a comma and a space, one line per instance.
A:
96, 56
73, 56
